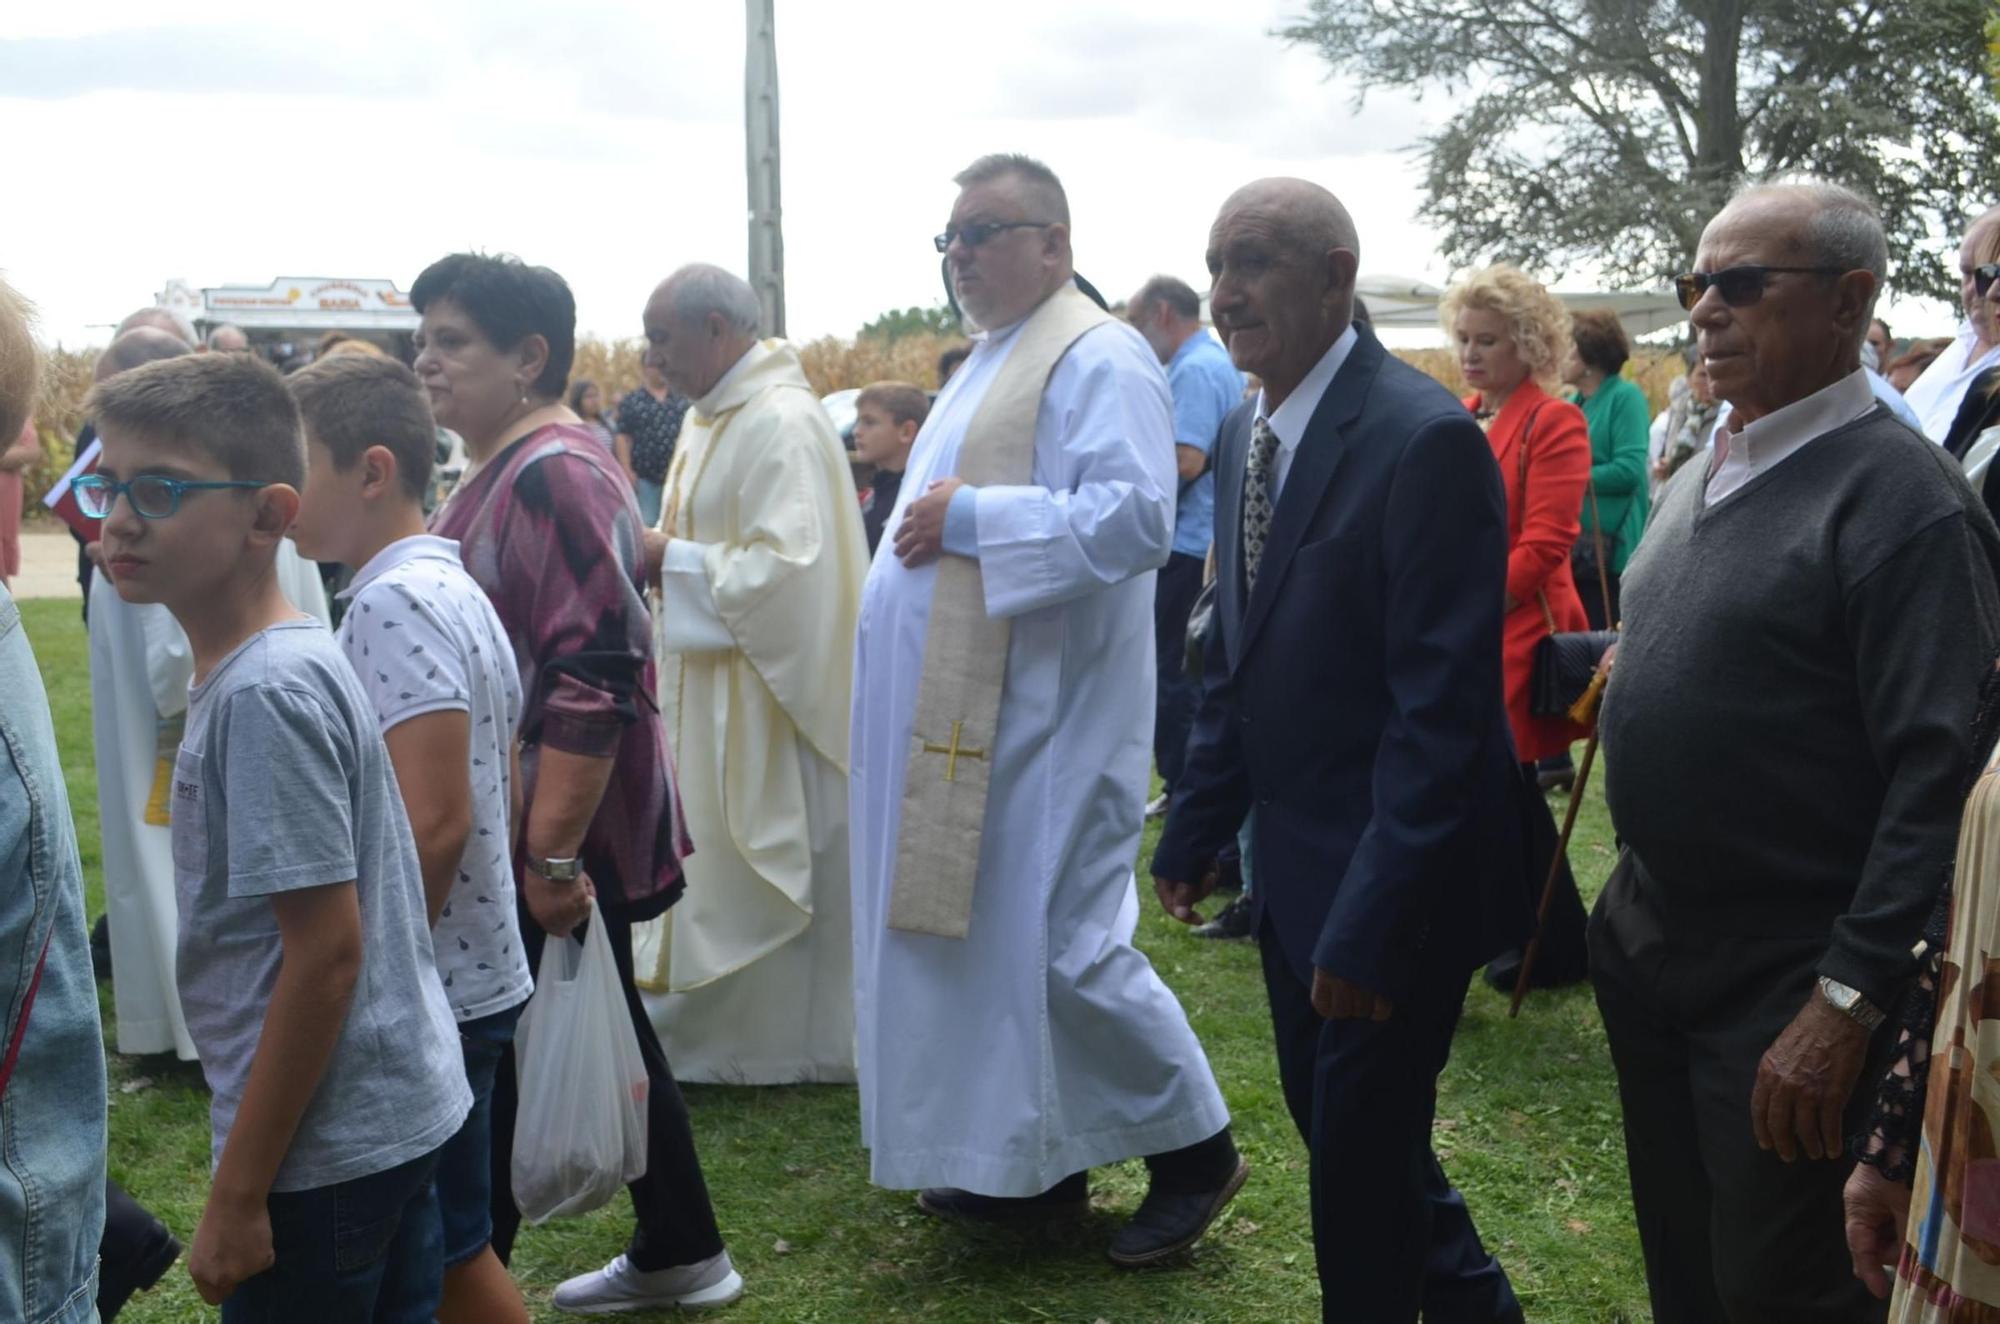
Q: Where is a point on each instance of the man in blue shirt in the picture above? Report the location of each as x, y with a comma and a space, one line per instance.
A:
1205, 386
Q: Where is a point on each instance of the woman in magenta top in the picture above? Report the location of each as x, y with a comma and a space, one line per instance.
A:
549, 528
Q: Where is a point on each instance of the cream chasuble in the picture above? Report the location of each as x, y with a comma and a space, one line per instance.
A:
140, 665
751, 973
1042, 1042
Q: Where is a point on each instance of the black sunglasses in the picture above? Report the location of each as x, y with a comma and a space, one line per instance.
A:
1984, 275
1740, 286
976, 236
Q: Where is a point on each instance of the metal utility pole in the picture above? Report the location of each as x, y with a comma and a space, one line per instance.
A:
760, 97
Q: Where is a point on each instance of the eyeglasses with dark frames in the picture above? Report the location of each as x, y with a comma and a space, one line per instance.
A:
1739, 286
982, 233
153, 496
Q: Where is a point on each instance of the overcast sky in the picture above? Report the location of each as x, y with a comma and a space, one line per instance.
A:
237, 141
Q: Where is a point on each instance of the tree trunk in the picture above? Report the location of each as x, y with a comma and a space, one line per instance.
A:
1719, 135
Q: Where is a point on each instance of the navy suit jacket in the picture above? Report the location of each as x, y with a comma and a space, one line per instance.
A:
1355, 699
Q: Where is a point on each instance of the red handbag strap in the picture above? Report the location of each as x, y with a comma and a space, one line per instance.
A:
21, 1026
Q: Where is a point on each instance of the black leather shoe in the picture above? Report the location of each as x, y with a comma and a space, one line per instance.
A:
1168, 1222
116, 1282
1066, 1200
1502, 974
1560, 778
1232, 921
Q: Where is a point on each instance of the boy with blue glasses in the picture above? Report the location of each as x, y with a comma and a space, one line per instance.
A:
304, 964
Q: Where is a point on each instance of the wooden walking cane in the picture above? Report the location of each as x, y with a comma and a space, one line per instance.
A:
1584, 710
1556, 864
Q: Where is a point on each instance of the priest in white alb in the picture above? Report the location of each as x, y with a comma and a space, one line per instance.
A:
750, 976
1010, 1035
140, 665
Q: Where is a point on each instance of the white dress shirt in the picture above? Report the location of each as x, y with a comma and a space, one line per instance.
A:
1937, 394
1771, 440
1290, 419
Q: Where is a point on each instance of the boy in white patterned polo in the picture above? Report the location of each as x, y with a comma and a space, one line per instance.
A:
435, 662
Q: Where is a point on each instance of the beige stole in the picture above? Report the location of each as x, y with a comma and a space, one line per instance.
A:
965, 650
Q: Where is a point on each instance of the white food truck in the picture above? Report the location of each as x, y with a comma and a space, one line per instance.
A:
286, 319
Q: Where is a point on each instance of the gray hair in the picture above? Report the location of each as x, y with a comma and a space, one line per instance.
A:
1039, 178
166, 319
218, 332
1175, 293
136, 348
1845, 230
699, 289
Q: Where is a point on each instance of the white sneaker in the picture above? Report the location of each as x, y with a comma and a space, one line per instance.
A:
619, 1287
1157, 806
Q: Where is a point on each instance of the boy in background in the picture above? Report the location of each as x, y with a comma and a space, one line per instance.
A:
303, 961
888, 416
440, 674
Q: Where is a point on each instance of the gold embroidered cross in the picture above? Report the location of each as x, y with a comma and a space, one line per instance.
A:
954, 752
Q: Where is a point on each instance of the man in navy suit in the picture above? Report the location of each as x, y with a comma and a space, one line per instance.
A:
1353, 696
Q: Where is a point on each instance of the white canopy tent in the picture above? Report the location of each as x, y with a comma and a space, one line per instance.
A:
1400, 303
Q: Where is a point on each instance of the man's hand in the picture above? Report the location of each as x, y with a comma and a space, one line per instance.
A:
920, 537
653, 553
1180, 899
1876, 1210
1804, 1082
232, 1243
1337, 1000
557, 907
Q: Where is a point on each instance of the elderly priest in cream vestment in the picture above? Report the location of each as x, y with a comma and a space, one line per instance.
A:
763, 557
1010, 1035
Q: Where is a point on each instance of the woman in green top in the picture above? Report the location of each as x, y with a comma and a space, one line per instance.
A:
1615, 502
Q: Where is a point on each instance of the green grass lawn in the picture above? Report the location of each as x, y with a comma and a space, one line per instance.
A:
1527, 1126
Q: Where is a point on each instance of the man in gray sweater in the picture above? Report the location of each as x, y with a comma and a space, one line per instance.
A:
1786, 729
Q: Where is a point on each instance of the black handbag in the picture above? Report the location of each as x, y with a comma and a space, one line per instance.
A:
1564, 667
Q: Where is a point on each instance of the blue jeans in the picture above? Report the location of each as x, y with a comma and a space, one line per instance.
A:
465, 1164
52, 1131
649, 494
361, 1250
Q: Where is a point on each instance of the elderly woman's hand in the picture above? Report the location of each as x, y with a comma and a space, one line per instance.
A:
1877, 1209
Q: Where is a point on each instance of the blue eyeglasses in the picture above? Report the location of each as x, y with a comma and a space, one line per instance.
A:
154, 496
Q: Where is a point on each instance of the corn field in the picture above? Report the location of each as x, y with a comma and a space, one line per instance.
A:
831, 364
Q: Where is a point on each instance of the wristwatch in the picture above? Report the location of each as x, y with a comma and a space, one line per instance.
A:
564, 870
1849, 1003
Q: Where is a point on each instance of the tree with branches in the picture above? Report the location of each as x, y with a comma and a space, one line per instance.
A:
1609, 131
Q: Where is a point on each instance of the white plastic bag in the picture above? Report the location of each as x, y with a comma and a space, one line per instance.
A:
581, 1130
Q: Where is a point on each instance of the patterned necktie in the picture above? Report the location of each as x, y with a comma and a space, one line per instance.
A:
1257, 499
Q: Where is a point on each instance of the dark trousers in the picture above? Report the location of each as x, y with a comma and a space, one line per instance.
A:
1731, 1234
1602, 615
1391, 1235
674, 1223
1174, 592
367, 1249
1563, 957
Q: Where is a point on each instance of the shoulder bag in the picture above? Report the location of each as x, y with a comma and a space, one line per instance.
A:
1562, 679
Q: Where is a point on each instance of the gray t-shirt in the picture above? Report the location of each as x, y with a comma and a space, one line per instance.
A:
424, 638
283, 783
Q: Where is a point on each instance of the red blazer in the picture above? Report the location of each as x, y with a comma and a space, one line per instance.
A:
1545, 485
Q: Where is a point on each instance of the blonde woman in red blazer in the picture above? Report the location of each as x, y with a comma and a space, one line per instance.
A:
1510, 334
